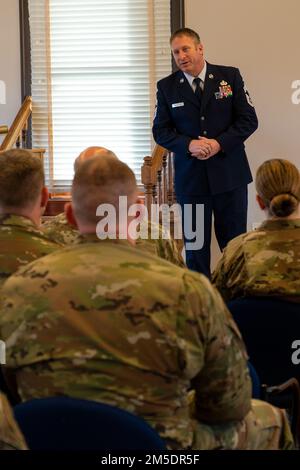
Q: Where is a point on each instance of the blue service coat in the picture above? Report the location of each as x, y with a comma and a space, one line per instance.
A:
226, 114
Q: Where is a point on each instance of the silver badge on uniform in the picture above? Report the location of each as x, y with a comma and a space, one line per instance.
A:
177, 105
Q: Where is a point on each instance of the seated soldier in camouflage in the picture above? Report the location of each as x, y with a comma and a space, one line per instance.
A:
265, 262
61, 231
103, 321
23, 198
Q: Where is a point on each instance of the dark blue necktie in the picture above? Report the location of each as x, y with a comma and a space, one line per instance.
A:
198, 90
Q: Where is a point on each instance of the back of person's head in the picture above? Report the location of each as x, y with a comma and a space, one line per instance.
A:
21, 179
91, 152
186, 32
278, 185
101, 181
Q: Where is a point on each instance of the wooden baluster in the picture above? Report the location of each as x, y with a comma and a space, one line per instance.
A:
159, 188
173, 177
24, 135
147, 182
171, 196
157, 178
18, 142
154, 194
165, 183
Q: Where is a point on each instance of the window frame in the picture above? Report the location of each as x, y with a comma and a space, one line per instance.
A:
177, 21
57, 200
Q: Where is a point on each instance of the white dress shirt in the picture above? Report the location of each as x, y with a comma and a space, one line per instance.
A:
201, 75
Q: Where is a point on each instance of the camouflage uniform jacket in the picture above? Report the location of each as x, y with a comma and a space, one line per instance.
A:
59, 230
262, 262
20, 243
104, 321
11, 437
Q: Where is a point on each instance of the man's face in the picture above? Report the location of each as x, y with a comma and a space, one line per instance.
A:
188, 55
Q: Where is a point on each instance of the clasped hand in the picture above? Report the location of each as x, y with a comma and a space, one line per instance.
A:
204, 148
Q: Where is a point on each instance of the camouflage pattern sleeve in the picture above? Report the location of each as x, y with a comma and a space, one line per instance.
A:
161, 243
59, 230
230, 266
21, 242
223, 387
168, 249
11, 437
263, 428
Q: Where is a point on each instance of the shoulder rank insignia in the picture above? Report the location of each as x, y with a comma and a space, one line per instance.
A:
250, 102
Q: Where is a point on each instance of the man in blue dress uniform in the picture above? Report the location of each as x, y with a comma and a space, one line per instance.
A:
204, 114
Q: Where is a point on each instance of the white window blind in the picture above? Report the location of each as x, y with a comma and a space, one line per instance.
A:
95, 64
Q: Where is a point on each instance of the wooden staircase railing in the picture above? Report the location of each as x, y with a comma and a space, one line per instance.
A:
16, 135
158, 178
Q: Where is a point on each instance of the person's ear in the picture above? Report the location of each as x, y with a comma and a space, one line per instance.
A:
201, 48
44, 198
69, 213
260, 202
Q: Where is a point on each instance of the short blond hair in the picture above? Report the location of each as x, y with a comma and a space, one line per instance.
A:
101, 181
21, 178
278, 184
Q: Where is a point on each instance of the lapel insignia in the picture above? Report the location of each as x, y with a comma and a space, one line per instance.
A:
181, 80
210, 75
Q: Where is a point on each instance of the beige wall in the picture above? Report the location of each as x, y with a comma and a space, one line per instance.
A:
9, 61
262, 39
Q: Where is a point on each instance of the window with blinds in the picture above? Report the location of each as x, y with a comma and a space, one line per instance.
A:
94, 70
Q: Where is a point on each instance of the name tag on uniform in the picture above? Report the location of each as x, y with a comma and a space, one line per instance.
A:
177, 105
